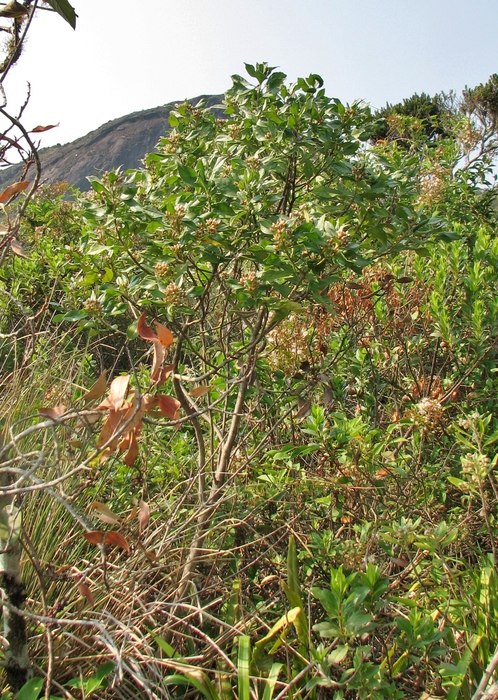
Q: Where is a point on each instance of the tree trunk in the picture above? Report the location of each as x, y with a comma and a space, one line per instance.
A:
16, 656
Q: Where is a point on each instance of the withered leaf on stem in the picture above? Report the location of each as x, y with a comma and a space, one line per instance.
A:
157, 362
199, 391
17, 249
164, 334
143, 516
169, 406
119, 390
304, 407
111, 537
53, 413
145, 331
104, 513
95, 537
118, 540
85, 591
39, 129
132, 454
98, 389
11, 190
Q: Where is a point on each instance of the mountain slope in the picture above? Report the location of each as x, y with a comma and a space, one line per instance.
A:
121, 142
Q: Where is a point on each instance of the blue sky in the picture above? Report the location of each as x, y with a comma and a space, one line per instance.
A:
128, 55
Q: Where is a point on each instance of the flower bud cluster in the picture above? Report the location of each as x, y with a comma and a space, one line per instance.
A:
475, 466
173, 294
93, 306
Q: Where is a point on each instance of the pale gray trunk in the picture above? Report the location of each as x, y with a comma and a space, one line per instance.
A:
16, 656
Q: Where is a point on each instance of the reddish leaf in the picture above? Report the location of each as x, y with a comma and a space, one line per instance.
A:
133, 513
149, 402
135, 414
118, 390
404, 280
39, 129
132, 454
104, 513
145, 331
118, 540
157, 362
17, 248
104, 405
95, 537
98, 389
164, 334
13, 189
53, 413
165, 374
90, 418
143, 516
199, 391
169, 406
109, 427
111, 537
85, 591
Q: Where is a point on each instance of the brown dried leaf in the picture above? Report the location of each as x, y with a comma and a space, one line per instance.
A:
118, 540
164, 334
133, 514
157, 362
104, 513
165, 374
143, 516
169, 406
13, 189
17, 248
54, 413
132, 454
95, 537
85, 591
118, 390
39, 129
304, 407
109, 428
199, 391
404, 280
151, 556
104, 406
353, 285
135, 414
98, 389
145, 331
328, 396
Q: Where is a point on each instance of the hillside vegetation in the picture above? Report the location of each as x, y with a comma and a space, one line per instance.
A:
249, 406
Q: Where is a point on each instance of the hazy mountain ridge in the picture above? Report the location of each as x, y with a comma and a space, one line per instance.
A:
122, 142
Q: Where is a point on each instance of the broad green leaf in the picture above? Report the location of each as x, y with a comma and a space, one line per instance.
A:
188, 175
31, 690
65, 10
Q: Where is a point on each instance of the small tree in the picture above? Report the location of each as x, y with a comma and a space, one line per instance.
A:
234, 233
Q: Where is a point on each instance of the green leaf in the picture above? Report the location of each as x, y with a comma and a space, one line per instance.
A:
243, 661
31, 690
73, 316
197, 679
187, 174
271, 681
65, 10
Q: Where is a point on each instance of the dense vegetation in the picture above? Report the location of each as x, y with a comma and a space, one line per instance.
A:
248, 405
